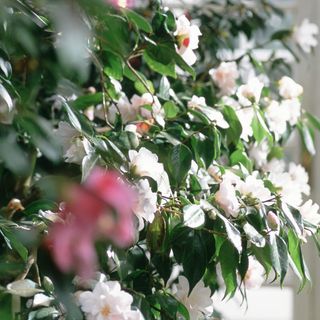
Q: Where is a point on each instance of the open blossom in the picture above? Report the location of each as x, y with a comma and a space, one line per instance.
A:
293, 109
250, 92
305, 35
289, 89
89, 215
198, 302
259, 153
300, 177
227, 199
75, 147
310, 212
146, 204
275, 166
147, 99
145, 163
254, 188
277, 117
255, 275
108, 302
214, 115
225, 77
127, 111
289, 189
188, 39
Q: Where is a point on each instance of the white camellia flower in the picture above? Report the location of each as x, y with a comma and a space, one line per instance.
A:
289, 89
259, 153
277, 117
310, 212
293, 109
147, 99
108, 302
289, 190
188, 39
226, 197
300, 177
127, 111
146, 205
145, 163
75, 147
225, 77
250, 92
245, 117
275, 166
255, 275
254, 188
198, 302
214, 115
305, 35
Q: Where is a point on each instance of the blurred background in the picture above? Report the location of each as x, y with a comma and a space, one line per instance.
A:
271, 302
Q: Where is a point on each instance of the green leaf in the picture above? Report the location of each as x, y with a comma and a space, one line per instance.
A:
233, 233
156, 234
190, 245
264, 256
180, 158
235, 129
138, 20
171, 110
279, 251
88, 163
193, 216
281, 34
239, 156
297, 226
294, 245
43, 204
113, 65
182, 64
41, 133
259, 128
307, 138
254, 236
78, 120
88, 100
145, 87
159, 60
229, 260
313, 120
13, 243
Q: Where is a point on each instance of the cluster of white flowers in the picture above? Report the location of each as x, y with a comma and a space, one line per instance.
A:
251, 190
305, 35
147, 106
146, 205
225, 77
187, 36
106, 302
144, 163
198, 302
75, 147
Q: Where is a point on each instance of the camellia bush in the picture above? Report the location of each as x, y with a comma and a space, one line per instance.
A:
142, 157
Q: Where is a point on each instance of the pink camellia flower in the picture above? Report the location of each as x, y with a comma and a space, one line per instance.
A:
101, 208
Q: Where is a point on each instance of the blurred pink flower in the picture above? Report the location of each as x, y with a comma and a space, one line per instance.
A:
101, 208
